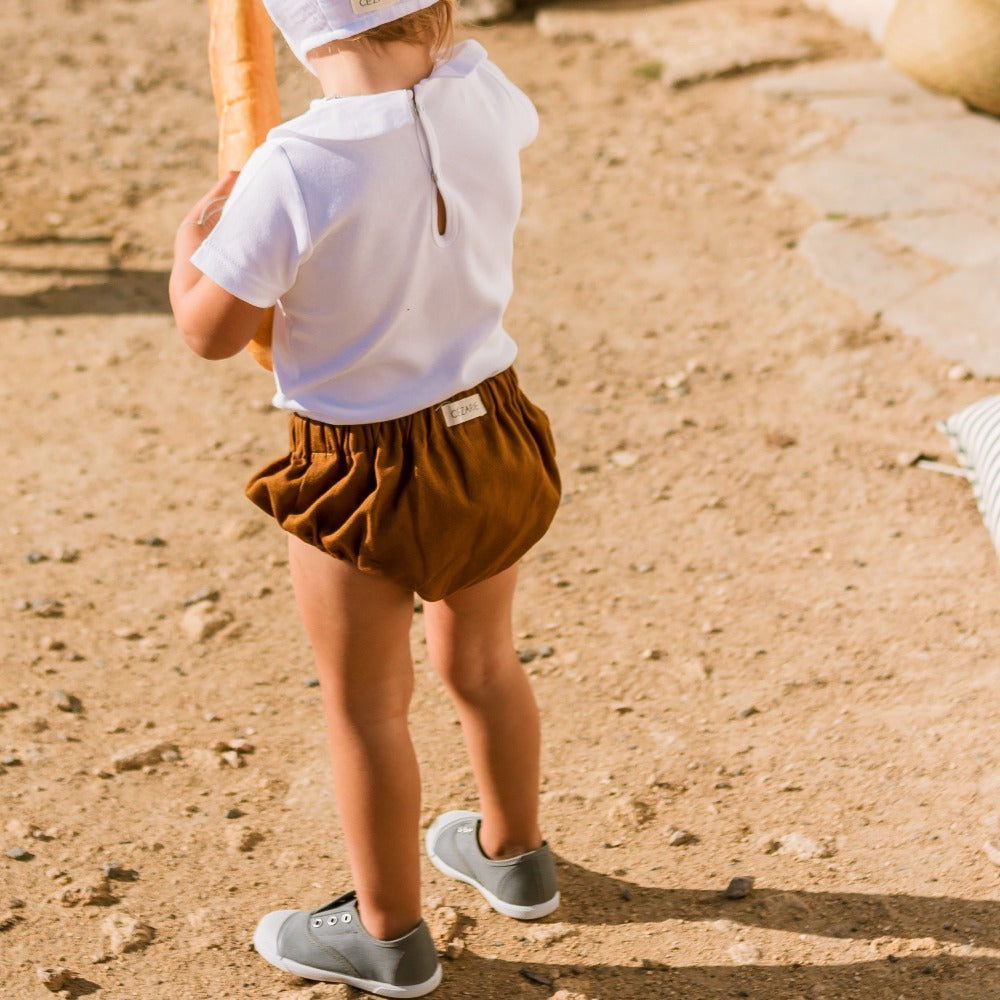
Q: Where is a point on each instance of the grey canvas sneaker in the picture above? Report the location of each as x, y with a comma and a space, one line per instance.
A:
332, 946
524, 887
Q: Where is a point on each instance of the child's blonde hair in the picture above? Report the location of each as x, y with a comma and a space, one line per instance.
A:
433, 26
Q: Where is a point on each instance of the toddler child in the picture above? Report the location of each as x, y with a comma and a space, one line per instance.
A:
379, 224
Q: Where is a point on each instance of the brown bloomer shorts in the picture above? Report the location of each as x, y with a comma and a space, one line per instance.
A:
436, 501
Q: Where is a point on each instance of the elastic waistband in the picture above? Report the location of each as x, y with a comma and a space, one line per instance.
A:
312, 437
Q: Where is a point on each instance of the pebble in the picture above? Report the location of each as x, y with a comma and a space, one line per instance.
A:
117, 871
798, 845
53, 978
19, 854
992, 851
744, 953
205, 594
136, 758
242, 839
153, 541
445, 925
33, 558
66, 702
234, 813
127, 933
680, 838
527, 655
739, 887
95, 894
10, 760
42, 607
203, 620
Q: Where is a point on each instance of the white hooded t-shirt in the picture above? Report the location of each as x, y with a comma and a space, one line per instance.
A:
334, 220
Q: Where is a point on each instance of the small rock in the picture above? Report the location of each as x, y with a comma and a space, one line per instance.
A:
992, 851
242, 529
203, 620
235, 813
8, 920
679, 838
10, 760
136, 758
67, 702
19, 854
43, 607
32, 558
96, 894
624, 459
127, 933
739, 887
568, 995
746, 713
243, 839
7, 706
118, 872
549, 934
233, 759
527, 655
153, 541
632, 813
445, 926
744, 953
538, 977
205, 594
53, 979
798, 845
959, 373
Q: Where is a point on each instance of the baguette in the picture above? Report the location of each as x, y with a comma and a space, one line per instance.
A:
241, 60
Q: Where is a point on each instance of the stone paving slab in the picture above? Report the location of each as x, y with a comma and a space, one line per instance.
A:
912, 199
872, 108
862, 77
962, 239
866, 264
691, 41
958, 316
839, 185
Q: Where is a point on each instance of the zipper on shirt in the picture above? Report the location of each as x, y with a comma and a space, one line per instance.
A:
441, 214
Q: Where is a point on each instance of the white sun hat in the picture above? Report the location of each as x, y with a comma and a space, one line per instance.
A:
308, 24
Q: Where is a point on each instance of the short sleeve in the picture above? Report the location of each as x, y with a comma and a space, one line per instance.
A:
525, 117
255, 250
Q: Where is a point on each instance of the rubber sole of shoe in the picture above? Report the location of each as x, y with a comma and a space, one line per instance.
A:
512, 910
265, 942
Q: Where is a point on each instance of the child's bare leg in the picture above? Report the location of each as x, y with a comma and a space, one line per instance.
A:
359, 628
470, 640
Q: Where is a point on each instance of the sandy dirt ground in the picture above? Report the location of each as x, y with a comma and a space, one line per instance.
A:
763, 644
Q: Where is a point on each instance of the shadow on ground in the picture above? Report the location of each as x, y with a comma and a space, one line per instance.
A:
94, 291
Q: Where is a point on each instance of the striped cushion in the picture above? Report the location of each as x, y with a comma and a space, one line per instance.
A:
975, 436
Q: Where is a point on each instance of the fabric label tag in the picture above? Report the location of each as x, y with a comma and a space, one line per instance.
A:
364, 6
460, 410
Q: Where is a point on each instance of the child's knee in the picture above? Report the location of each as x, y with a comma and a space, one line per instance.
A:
474, 677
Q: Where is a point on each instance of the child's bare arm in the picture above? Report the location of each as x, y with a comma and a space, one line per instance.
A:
213, 323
